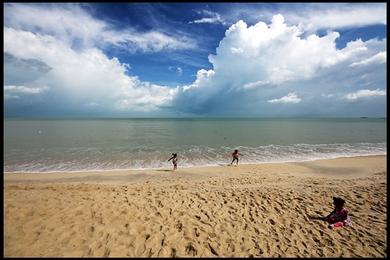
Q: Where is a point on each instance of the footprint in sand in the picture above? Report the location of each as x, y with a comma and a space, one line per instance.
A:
213, 251
179, 226
196, 232
191, 250
173, 252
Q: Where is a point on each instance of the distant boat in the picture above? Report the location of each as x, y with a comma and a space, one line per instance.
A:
363, 117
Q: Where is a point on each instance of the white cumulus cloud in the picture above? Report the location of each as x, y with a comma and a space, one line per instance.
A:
17, 92
364, 93
341, 16
277, 53
378, 58
24, 90
253, 85
86, 76
316, 16
290, 98
272, 57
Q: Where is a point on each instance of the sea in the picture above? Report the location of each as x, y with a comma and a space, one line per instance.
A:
65, 145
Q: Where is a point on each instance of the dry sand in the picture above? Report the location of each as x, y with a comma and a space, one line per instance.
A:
259, 210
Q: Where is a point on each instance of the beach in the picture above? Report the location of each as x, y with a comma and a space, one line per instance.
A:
260, 210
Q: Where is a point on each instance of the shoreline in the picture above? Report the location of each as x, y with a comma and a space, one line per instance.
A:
187, 167
261, 210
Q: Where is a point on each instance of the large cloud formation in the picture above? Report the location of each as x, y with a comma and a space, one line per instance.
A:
255, 64
81, 80
260, 70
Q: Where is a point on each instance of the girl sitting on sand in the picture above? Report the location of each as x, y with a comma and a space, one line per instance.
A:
339, 216
174, 160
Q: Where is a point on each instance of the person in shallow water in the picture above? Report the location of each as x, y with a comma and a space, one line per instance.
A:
174, 160
235, 155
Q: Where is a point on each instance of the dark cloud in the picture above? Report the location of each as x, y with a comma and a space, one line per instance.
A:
18, 71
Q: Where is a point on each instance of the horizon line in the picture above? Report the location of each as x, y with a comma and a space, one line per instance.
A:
190, 117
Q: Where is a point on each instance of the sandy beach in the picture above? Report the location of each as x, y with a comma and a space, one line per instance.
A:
263, 210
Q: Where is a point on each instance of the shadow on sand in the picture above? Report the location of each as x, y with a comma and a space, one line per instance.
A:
311, 217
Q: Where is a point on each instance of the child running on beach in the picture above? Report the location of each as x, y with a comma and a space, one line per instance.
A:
174, 160
235, 155
339, 216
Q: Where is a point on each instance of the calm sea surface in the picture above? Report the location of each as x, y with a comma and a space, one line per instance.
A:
106, 144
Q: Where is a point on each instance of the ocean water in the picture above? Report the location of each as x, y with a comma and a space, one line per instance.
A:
109, 144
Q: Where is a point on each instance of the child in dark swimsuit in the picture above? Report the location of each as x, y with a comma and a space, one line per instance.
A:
339, 216
235, 155
174, 160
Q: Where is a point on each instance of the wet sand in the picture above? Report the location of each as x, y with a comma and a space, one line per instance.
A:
262, 210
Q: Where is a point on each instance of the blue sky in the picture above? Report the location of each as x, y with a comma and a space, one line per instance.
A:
195, 59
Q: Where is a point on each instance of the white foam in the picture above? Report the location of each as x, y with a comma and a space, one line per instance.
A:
195, 156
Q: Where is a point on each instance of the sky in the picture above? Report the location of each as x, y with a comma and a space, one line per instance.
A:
195, 59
